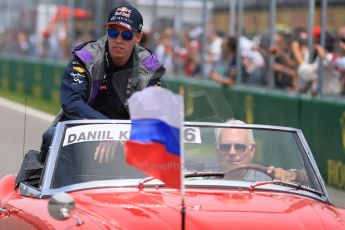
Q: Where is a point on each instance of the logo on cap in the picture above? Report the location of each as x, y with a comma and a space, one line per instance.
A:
123, 11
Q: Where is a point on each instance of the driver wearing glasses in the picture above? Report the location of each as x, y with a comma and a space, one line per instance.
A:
236, 148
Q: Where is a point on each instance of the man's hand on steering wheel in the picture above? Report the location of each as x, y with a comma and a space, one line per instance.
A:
282, 174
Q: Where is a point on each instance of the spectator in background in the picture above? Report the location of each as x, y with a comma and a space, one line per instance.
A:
334, 72
146, 41
253, 62
23, 43
50, 46
340, 63
44, 45
189, 55
331, 77
165, 50
299, 45
284, 67
306, 66
2, 40
213, 51
228, 77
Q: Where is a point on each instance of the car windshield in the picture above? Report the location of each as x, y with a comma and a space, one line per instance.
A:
211, 152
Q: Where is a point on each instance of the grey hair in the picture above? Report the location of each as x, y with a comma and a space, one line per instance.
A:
234, 122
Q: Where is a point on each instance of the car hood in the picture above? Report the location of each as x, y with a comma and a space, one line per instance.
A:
205, 209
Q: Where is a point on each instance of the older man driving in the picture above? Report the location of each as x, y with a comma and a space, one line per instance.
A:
236, 149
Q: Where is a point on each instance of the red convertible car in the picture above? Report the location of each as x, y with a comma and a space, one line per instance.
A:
235, 177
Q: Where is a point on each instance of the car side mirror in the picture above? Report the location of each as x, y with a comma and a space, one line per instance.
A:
60, 205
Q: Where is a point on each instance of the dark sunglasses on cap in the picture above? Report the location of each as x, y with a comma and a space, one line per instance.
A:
239, 148
126, 35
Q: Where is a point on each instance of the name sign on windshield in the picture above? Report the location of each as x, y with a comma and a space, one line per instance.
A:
115, 132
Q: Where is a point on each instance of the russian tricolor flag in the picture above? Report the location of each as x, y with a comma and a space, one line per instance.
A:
154, 146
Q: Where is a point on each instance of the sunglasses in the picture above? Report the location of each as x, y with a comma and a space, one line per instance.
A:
239, 148
126, 35
342, 40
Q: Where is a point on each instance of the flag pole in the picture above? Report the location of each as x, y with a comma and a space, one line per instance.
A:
183, 212
183, 209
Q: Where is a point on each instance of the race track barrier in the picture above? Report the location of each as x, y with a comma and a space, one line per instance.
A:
322, 120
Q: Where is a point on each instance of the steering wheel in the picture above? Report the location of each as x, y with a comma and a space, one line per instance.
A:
247, 166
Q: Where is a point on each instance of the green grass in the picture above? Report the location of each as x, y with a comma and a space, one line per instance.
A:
36, 103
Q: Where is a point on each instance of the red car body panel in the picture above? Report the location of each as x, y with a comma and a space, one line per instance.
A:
160, 208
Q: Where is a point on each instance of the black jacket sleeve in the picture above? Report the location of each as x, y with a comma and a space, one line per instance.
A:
75, 93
